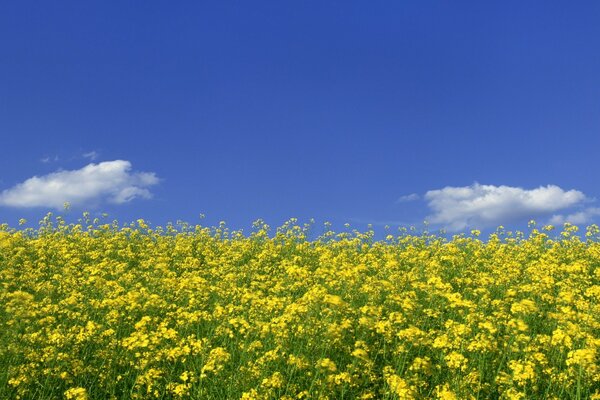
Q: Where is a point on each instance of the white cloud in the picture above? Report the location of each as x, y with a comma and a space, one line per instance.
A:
578, 218
458, 208
110, 181
408, 197
48, 159
92, 155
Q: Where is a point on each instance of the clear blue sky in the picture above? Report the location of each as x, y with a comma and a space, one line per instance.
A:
332, 110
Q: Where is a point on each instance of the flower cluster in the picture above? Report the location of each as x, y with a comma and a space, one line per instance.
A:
103, 311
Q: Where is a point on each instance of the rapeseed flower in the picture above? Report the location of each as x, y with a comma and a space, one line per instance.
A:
182, 311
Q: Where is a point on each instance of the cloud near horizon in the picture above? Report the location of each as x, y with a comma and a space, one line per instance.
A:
581, 217
110, 181
408, 197
481, 206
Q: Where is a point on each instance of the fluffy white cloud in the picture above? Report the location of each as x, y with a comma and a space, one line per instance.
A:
111, 181
408, 197
458, 208
578, 218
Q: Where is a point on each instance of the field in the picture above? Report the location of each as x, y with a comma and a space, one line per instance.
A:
103, 311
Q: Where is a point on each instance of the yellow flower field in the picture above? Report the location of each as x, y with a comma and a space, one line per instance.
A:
102, 311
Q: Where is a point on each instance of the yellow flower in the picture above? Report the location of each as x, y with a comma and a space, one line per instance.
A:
584, 358
77, 393
327, 365
252, 394
522, 371
443, 392
189, 311
275, 381
216, 361
525, 306
398, 386
456, 361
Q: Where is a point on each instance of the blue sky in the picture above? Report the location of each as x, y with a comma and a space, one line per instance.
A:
462, 113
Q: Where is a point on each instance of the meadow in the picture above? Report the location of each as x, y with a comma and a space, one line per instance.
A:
105, 311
